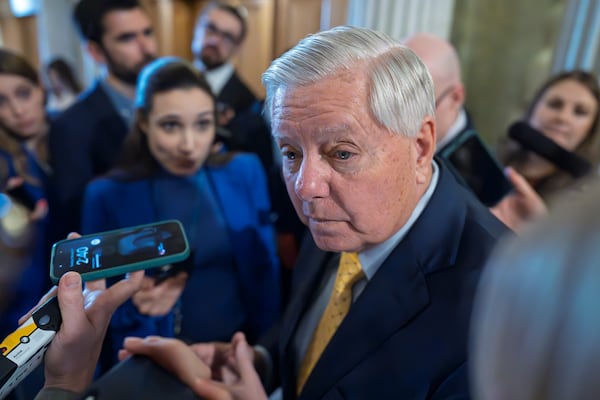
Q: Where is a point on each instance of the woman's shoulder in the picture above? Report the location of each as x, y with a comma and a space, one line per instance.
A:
110, 184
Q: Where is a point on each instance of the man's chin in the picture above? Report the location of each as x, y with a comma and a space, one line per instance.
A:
210, 63
336, 241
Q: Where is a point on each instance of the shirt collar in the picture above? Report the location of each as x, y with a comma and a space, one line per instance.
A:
123, 104
218, 77
457, 127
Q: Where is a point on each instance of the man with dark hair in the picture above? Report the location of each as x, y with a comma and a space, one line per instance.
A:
218, 36
86, 138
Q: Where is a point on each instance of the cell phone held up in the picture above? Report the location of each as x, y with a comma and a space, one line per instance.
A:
112, 253
471, 160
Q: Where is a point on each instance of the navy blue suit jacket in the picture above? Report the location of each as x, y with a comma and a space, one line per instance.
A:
406, 335
84, 142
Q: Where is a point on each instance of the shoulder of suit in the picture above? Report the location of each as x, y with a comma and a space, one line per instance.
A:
88, 103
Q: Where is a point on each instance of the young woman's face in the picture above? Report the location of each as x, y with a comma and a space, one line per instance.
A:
181, 129
22, 106
565, 113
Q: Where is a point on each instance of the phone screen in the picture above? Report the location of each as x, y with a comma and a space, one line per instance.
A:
106, 250
479, 169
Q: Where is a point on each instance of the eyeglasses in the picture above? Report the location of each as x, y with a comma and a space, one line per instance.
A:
227, 37
443, 95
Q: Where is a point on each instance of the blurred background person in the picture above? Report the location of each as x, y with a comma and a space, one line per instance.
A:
63, 85
24, 176
565, 110
167, 171
536, 324
87, 137
219, 34
443, 64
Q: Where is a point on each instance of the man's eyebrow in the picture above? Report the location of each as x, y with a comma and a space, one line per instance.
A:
125, 36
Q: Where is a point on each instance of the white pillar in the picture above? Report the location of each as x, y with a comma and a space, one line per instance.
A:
579, 41
400, 18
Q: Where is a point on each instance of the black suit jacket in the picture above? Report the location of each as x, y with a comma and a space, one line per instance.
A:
406, 335
84, 142
236, 94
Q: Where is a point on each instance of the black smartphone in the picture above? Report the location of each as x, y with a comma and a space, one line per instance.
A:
116, 252
21, 195
476, 165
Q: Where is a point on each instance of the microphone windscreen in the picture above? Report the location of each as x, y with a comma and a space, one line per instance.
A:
533, 140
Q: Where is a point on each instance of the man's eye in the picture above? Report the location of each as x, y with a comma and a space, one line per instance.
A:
343, 155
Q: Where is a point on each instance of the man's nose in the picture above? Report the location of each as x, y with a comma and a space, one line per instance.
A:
147, 45
311, 179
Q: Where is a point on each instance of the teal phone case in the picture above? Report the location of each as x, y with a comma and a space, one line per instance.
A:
118, 236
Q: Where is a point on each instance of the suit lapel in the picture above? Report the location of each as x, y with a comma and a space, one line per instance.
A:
398, 290
309, 274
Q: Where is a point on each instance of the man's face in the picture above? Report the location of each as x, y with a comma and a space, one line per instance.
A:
128, 43
351, 181
216, 38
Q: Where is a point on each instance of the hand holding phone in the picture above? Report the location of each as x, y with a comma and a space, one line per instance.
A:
116, 252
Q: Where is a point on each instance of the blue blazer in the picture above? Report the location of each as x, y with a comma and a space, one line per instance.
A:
241, 190
406, 335
84, 141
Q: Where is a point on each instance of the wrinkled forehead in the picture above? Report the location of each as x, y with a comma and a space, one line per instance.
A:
341, 86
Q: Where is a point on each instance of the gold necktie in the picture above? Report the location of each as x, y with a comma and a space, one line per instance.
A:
348, 273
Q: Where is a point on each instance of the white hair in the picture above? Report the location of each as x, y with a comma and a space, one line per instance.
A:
536, 324
401, 89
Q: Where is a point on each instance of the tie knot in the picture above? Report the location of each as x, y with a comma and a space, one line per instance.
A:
349, 271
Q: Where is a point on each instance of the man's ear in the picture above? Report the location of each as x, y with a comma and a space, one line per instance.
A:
425, 148
97, 52
458, 95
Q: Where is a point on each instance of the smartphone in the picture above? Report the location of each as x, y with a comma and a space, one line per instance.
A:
472, 161
116, 252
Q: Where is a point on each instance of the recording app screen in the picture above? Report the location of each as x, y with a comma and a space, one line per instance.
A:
94, 253
480, 171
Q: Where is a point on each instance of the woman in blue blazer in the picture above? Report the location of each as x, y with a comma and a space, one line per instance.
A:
168, 170
24, 173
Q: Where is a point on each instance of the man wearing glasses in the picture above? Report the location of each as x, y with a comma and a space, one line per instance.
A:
219, 33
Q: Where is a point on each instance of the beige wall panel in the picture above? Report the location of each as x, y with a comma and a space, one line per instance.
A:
256, 53
295, 20
20, 35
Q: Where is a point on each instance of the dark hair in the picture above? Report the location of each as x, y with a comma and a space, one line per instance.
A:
162, 75
511, 153
65, 73
239, 12
12, 63
89, 16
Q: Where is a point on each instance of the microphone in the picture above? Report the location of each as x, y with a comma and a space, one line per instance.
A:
533, 140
